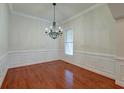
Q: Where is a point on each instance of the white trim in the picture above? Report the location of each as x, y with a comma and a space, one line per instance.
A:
29, 16
94, 58
41, 19
76, 51
65, 42
96, 54
120, 58
25, 15
120, 83
26, 51
83, 12
27, 57
28, 62
106, 74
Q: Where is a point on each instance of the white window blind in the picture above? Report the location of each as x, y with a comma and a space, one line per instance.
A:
69, 42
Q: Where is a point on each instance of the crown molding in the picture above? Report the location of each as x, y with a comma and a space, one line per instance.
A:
30, 16
12, 11
83, 12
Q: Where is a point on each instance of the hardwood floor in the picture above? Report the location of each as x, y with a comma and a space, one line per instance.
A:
56, 74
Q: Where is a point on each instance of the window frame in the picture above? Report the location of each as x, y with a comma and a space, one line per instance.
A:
65, 42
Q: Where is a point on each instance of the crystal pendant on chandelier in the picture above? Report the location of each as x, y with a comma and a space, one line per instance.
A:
54, 31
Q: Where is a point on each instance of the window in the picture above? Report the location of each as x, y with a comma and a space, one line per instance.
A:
69, 42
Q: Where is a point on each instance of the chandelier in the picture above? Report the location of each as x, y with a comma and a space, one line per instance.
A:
53, 31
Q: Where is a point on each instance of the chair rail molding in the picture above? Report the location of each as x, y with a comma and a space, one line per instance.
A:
27, 57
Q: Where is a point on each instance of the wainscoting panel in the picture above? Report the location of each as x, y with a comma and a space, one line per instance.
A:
100, 63
3, 67
22, 58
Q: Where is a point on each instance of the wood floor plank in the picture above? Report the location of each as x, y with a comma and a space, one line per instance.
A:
55, 75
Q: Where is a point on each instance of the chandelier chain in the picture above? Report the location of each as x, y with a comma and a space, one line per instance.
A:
54, 31
54, 12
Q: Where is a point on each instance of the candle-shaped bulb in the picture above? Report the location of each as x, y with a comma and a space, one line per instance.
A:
51, 27
59, 27
46, 29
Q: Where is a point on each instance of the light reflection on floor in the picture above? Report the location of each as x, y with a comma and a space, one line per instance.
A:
69, 78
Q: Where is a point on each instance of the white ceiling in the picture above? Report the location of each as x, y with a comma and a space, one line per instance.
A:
45, 10
64, 11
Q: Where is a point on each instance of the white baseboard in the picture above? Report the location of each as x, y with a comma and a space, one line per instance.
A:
109, 75
106, 74
120, 83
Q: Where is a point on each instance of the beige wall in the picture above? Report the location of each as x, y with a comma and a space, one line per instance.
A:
94, 31
28, 34
120, 37
3, 29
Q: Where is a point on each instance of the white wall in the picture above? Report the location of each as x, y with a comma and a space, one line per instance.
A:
94, 31
3, 40
94, 41
25, 43
3, 29
120, 37
28, 43
29, 34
